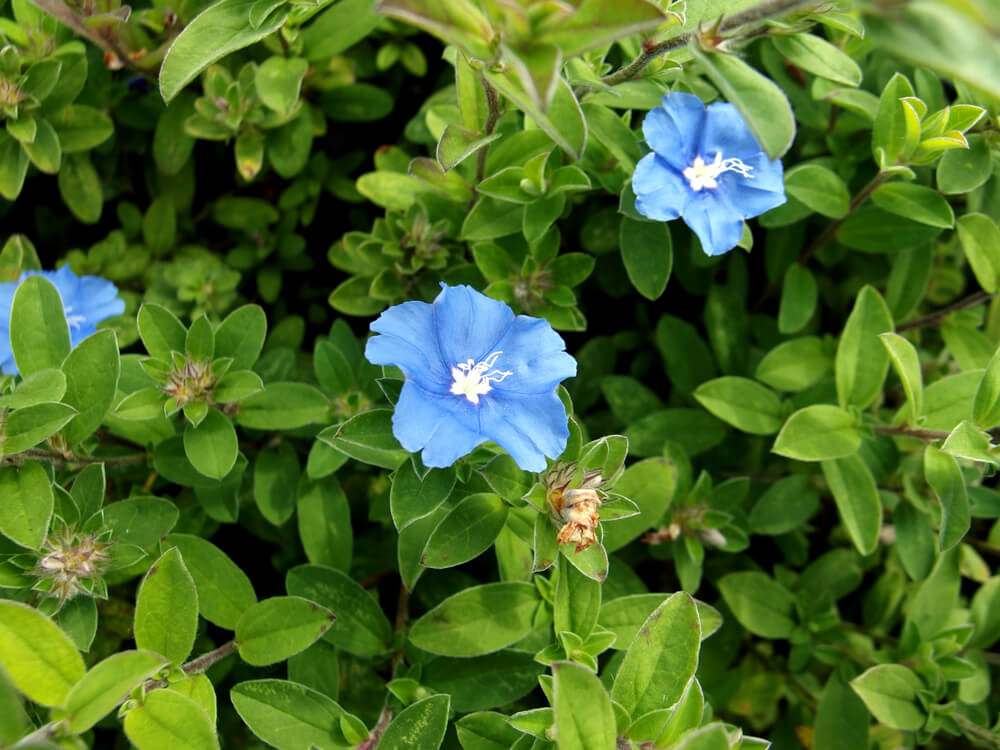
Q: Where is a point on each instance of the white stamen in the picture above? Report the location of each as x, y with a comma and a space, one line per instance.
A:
701, 175
73, 321
472, 379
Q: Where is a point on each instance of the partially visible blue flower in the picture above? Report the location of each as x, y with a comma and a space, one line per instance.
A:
707, 167
87, 300
474, 372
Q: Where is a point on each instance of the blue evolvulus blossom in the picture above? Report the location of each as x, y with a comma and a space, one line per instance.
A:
707, 167
474, 372
87, 300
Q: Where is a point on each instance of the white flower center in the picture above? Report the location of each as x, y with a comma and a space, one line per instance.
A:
701, 175
74, 321
472, 379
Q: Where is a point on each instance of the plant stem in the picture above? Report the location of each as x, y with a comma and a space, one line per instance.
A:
919, 433
107, 42
828, 231
972, 729
935, 318
199, 664
492, 115
72, 460
760, 12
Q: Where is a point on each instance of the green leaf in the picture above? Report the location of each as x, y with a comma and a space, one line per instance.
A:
945, 477
647, 252
241, 336
91, 370
420, 726
160, 330
278, 82
412, 497
172, 146
275, 482
583, 715
595, 23
785, 505
468, 530
274, 629
13, 166
986, 405
483, 681
819, 188
44, 385
458, 22
662, 658
39, 334
890, 693
760, 604
289, 716
224, 590
166, 609
81, 128
141, 521
324, 519
44, 149
563, 121
368, 438
761, 101
741, 402
215, 32
29, 426
486, 731
37, 656
906, 362
457, 144
478, 620
577, 601
874, 230
841, 718
889, 132
916, 202
818, 56
212, 446
27, 504
796, 364
338, 27
101, 689
625, 615
853, 489
361, 627
80, 188
650, 484
980, 239
167, 720
862, 360
942, 38
282, 406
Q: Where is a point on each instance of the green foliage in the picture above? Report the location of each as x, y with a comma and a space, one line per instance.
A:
789, 451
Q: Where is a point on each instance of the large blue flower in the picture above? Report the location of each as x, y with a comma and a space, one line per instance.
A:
707, 167
87, 300
474, 372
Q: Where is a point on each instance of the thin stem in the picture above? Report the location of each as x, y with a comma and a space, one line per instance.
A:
757, 13
492, 115
920, 433
828, 231
972, 729
72, 460
107, 42
935, 318
199, 664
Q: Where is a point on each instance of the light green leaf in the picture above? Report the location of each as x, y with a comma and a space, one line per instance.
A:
420, 726
819, 57
166, 609
980, 239
862, 360
762, 605
289, 716
819, 188
274, 629
27, 504
915, 202
39, 334
743, 403
906, 362
224, 590
468, 530
101, 689
584, 718
91, 371
853, 489
37, 656
945, 477
212, 446
367, 437
890, 693
168, 720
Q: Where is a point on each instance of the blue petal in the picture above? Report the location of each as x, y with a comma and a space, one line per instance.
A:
416, 417
445, 427
536, 357
752, 197
529, 428
661, 192
727, 132
672, 131
717, 224
409, 342
468, 324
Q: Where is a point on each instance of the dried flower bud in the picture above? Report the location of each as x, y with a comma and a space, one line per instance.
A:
580, 512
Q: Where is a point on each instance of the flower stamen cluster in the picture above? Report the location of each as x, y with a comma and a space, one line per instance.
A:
701, 175
472, 379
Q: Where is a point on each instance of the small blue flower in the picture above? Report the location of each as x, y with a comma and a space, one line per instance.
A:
87, 300
474, 372
707, 167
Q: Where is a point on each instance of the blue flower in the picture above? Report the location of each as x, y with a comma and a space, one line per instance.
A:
707, 167
474, 372
87, 300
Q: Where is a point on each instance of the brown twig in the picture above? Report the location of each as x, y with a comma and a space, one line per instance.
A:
73, 460
492, 115
68, 17
935, 318
902, 430
756, 14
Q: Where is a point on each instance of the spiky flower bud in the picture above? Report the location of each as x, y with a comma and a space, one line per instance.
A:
72, 564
